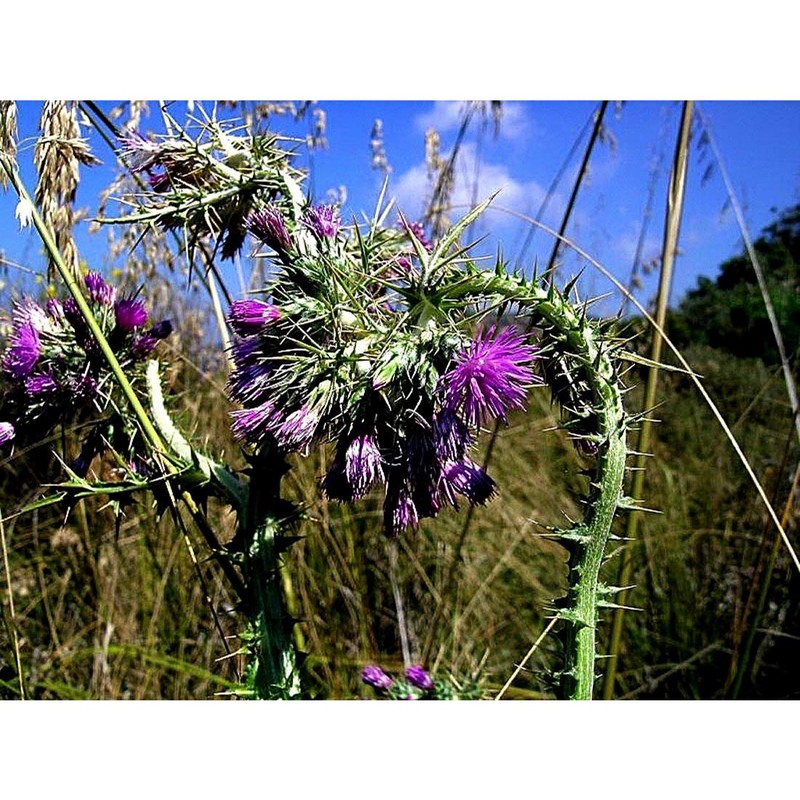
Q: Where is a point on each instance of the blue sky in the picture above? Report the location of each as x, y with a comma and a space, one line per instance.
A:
759, 142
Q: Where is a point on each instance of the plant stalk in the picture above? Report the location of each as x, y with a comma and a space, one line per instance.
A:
677, 185
272, 672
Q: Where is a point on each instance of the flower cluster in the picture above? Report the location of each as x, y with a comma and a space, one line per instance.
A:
416, 684
52, 367
403, 406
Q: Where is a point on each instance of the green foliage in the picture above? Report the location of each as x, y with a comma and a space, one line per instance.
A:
729, 314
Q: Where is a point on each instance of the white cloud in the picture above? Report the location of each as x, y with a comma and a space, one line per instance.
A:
446, 116
474, 182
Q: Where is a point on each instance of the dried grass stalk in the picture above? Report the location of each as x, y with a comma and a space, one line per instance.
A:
58, 154
8, 133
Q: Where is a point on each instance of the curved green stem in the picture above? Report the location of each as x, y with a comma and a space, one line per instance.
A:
576, 343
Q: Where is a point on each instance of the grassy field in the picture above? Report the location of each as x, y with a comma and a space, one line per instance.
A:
122, 610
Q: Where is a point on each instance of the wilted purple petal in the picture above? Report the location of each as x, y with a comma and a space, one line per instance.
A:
143, 345
399, 512
251, 316
355, 470
469, 480
38, 385
100, 292
159, 181
55, 309
376, 677
248, 383
130, 313
419, 677
451, 434
491, 376
323, 220
297, 430
362, 464
252, 424
269, 226
7, 433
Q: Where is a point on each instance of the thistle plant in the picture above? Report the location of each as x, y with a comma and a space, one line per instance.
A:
418, 684
392, 350
55, 373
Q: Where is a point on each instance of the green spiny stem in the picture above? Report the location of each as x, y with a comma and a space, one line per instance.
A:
272, 672
587, 542
272, 668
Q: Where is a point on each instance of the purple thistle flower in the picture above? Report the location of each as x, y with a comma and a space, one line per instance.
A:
269, 226
374, 676
55, 309
84, 386
159, 181
469, 480
356, 469
251, 316
419, 677
417, 230
252, 424
7, 433
140, 153
297, 430
73, 315
451, 434
143, 345
38, 385
130, 313
23, 352
100, 292
399, 512
244, 351
362, 465
248, 383
323, 220
490, 377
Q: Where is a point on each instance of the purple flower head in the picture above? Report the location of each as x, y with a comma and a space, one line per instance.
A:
417, 230
269, 226
143, 345
451, 434
490, 377
130, 313
362, 465
100, 292
140, 153
23, 352
468, 479
248, 383
419, 677
251, 316
245, 351
252, 424
84, 387
159, 181
39, 385
297, 430
323, 220
399, 512
55, 309
7, 433
356, 469
376, 677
